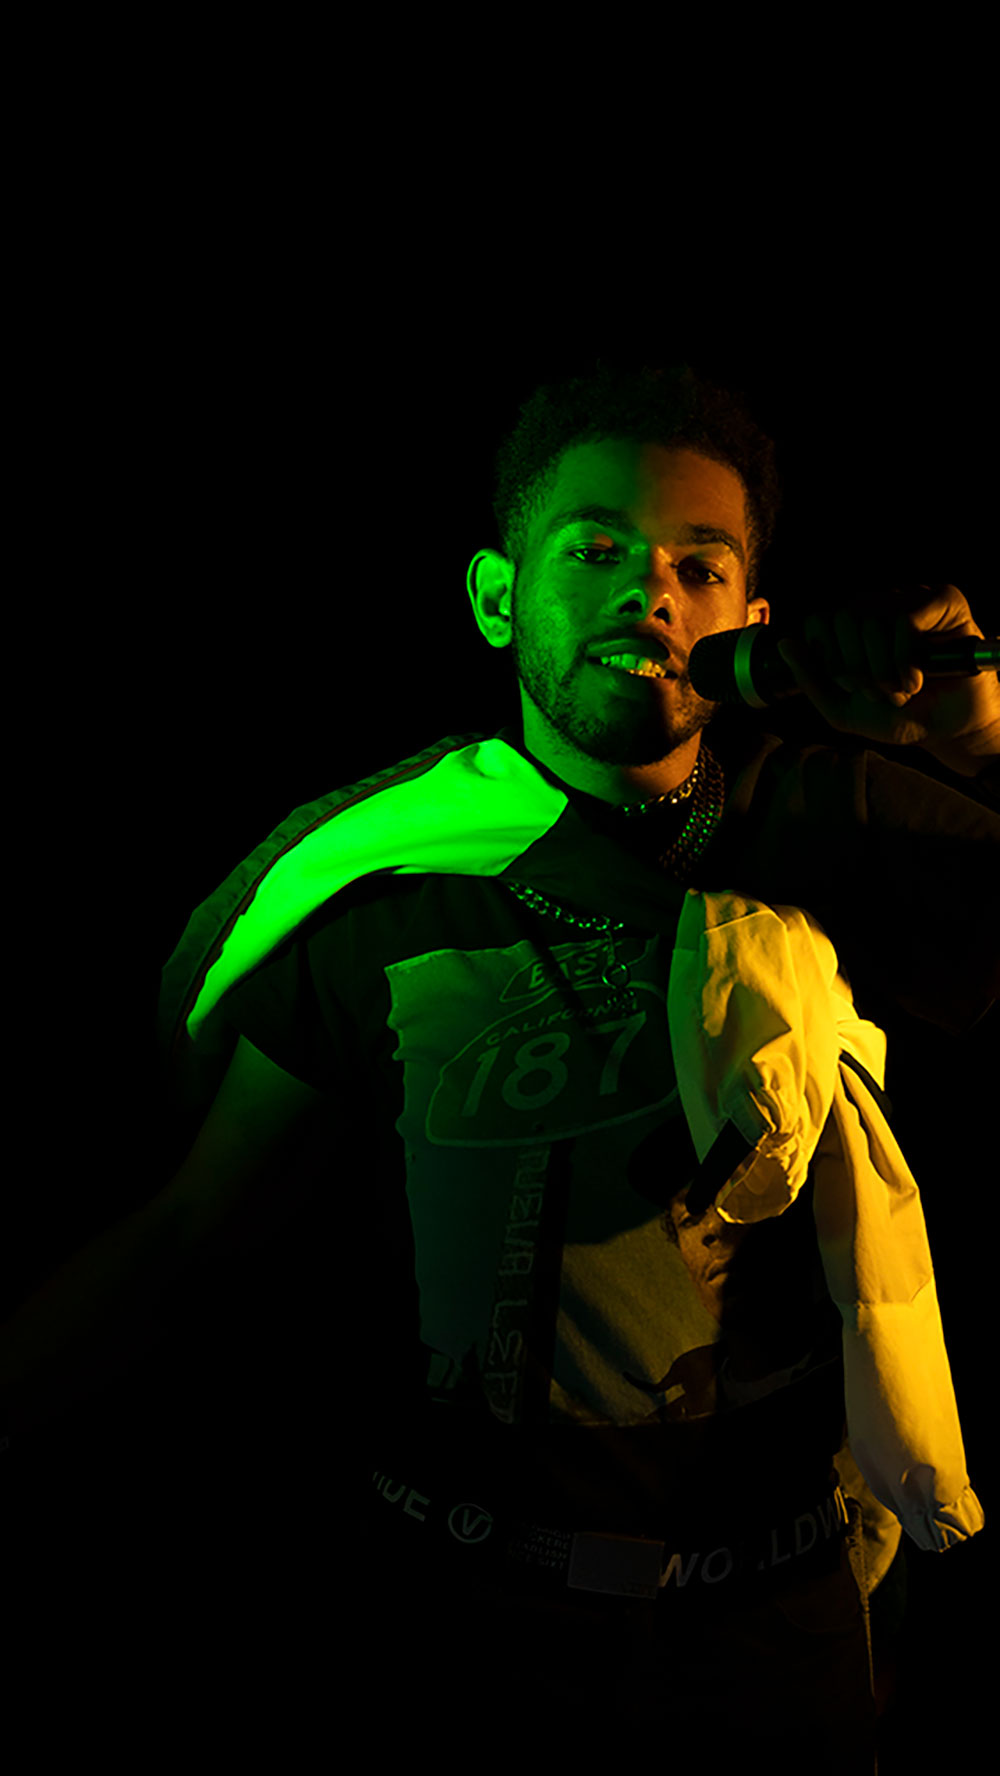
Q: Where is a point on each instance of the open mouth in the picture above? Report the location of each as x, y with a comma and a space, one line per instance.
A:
631, 666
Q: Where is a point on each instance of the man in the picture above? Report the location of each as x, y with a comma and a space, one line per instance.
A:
465, 959
640, 550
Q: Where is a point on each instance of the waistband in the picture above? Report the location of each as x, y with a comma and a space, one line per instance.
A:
476, 1542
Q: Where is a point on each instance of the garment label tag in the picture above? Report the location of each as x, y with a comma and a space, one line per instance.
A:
621, 1565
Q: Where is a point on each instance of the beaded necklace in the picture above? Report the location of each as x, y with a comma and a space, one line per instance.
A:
706, 788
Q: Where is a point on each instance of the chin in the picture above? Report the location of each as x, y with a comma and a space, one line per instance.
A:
633, 749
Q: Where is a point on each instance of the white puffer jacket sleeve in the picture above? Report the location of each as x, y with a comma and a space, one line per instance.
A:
760, 1022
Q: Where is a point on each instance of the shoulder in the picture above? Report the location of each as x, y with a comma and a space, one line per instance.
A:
850, 778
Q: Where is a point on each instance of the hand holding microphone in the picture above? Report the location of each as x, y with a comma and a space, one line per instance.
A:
919, 673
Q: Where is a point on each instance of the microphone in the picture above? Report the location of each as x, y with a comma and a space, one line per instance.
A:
744, 665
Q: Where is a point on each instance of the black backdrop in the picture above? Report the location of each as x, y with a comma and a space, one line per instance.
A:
269, 469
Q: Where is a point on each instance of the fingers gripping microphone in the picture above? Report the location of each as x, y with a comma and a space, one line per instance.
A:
744, 665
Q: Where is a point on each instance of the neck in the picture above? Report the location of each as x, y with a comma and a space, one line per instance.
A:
618, 785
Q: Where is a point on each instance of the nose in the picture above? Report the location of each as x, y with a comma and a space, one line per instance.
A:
656, 593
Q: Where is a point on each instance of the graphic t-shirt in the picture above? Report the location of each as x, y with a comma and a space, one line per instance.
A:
537, 1311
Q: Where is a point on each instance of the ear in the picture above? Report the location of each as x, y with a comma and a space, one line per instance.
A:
488, 582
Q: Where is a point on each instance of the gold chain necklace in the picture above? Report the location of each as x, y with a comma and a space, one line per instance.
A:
680, 794
708, 788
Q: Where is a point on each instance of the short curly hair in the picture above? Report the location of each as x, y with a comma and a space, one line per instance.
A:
669, 1225
662, 403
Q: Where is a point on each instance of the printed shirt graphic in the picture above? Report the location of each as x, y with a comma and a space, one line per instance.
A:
527, 1313
517, 1115
533, 1147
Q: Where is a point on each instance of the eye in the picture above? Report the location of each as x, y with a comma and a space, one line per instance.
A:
601, 553
701, 568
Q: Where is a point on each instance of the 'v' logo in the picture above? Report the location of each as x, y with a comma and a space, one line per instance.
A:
469, 1523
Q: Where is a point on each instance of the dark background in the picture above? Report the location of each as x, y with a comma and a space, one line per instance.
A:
260, 436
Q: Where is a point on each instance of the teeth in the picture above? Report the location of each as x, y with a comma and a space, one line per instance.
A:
634, 663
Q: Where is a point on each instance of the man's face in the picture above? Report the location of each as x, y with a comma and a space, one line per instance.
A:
750, 1275
585, 581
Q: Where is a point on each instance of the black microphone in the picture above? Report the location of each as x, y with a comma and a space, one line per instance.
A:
744, 665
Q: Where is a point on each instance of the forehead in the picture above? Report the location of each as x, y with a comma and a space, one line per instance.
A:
656, 484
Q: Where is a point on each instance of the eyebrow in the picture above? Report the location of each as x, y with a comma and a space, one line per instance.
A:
687, 533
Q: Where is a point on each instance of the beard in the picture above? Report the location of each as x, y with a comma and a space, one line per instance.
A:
611, 727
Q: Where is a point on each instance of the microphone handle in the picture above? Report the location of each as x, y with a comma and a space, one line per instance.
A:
760, 676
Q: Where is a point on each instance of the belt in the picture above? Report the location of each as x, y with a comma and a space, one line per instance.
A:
479, 1542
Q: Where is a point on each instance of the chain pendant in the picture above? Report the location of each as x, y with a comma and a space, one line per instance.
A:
677, 860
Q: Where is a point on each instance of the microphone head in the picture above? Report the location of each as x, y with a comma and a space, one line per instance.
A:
741, 666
